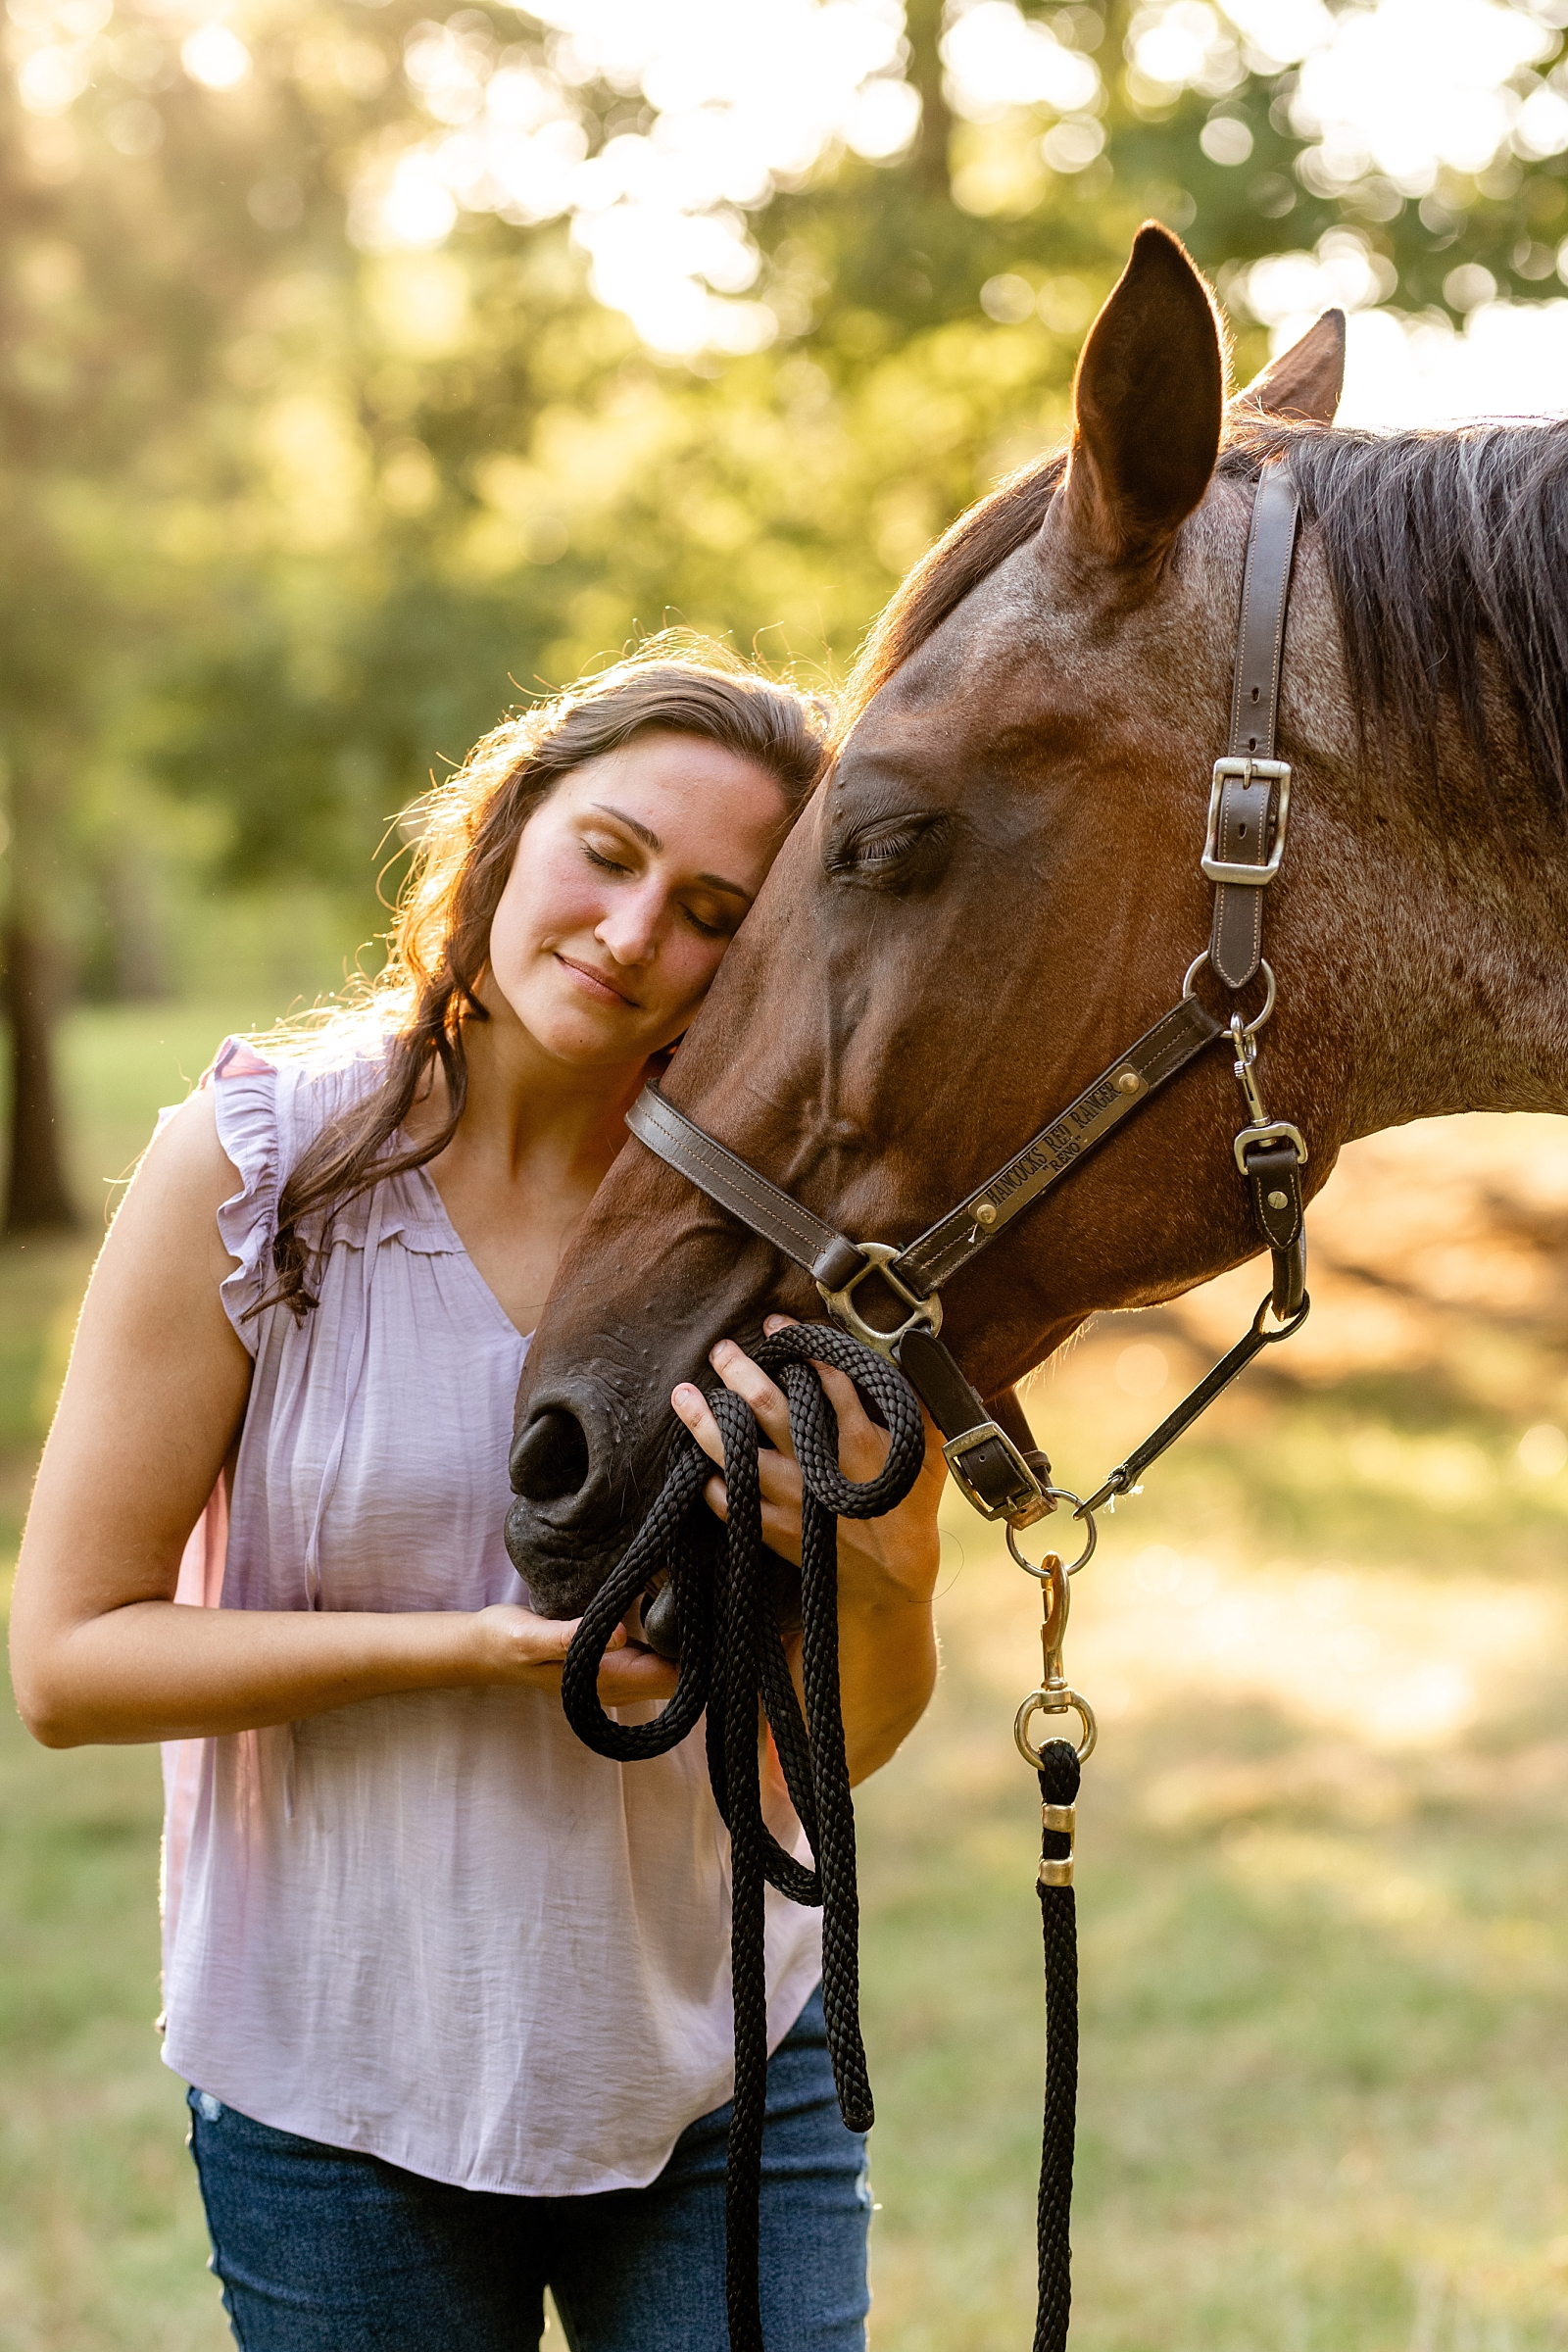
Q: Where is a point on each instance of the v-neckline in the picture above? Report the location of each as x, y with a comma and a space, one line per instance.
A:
461, 1247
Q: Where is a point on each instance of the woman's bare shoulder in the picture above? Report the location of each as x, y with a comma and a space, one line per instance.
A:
182, 1181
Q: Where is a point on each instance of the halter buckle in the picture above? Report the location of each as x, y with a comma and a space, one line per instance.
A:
1248, 770
1027, 1499
1268, 1131
878, 1257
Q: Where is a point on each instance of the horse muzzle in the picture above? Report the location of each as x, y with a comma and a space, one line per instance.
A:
577, 1493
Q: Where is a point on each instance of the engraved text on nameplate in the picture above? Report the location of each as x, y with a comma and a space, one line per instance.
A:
1050, 1154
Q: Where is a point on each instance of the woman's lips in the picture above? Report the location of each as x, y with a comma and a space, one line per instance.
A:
596, 982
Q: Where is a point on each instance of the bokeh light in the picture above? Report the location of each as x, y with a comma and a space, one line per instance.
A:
730, 101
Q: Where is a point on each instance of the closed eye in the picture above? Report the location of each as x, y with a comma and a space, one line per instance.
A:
610, 866
900, 852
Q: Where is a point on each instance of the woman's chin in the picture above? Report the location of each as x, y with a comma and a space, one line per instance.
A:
587, 1039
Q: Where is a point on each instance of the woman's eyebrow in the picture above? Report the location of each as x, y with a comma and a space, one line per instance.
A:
634, 825
651, 840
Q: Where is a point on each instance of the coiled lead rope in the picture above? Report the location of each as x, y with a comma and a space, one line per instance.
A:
733, 1663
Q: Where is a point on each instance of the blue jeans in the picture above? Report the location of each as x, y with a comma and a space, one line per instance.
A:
324, 2250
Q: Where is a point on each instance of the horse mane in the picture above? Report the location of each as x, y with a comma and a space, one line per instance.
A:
984, 536
1447, 553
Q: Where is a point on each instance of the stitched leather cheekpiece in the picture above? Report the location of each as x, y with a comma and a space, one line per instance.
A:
1249, 809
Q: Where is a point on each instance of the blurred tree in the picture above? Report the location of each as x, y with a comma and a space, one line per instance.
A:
321, 448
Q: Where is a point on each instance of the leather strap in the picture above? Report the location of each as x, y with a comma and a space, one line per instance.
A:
932, 1371
1274, 1174
995, 1469
831, 1259
1007, 1479
1274, 1183
1260, 637
1157, 1056
1126, 1475
1011, 1419
820, 1248
1248, 809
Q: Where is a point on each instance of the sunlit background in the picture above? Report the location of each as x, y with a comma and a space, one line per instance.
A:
363, 371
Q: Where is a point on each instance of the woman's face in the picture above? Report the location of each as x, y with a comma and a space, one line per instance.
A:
628, 884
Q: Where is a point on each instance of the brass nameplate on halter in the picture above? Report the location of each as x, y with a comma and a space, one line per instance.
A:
1061, 1144
983, 1213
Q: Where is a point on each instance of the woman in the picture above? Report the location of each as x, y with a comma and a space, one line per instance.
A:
451, 1992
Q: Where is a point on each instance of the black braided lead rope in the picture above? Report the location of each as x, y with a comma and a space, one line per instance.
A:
733, 1662
1058, 1919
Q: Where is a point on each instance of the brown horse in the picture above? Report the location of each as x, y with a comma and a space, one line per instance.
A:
997, 887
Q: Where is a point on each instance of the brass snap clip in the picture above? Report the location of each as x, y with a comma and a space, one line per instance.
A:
1055, 1694
1259, 1128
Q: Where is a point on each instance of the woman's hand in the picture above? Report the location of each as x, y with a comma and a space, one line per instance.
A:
886, 1562
886, 1567
519, 1647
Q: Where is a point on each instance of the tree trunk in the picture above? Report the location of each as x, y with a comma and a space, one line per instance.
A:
923, 30
36, 1197
137, 972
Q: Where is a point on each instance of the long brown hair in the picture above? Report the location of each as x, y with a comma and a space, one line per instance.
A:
416, 1009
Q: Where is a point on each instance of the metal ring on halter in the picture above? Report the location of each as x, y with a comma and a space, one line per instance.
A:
1060, 1494
1250, 1028
1039, 1702
1286, 1330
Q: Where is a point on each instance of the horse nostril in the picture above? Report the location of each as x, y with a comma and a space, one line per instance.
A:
551, 1457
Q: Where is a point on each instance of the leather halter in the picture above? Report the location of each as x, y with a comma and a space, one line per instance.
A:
1249, 812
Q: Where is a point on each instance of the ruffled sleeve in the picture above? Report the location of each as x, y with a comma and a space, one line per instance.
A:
245, 1091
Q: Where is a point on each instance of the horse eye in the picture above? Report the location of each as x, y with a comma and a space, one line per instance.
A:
897, 851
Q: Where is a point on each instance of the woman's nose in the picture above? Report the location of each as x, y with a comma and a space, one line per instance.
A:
630, 927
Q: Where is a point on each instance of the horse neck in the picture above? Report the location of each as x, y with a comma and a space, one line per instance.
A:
1455, 958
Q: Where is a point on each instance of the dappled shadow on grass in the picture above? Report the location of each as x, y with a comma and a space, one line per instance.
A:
1324, 2054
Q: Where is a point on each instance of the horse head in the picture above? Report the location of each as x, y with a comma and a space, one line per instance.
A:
995, 889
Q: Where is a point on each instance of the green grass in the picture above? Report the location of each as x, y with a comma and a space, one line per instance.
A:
1325, 2072
1323, 1887
102, 2242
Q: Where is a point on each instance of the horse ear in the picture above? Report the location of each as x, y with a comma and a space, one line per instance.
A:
1147, 406
1304, 383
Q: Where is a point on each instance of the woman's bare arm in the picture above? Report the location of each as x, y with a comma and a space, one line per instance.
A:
152, 1406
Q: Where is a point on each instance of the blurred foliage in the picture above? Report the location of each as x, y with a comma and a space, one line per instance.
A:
289, 522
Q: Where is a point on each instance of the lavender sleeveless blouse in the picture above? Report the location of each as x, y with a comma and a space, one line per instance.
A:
433, 1926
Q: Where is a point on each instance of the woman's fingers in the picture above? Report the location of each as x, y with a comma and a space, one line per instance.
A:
524, 1647
862, 1446
745, 1380
748, 1381
519, 1646
694, 1409
634, 1672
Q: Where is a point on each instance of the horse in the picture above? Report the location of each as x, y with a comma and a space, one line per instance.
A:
998, 884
